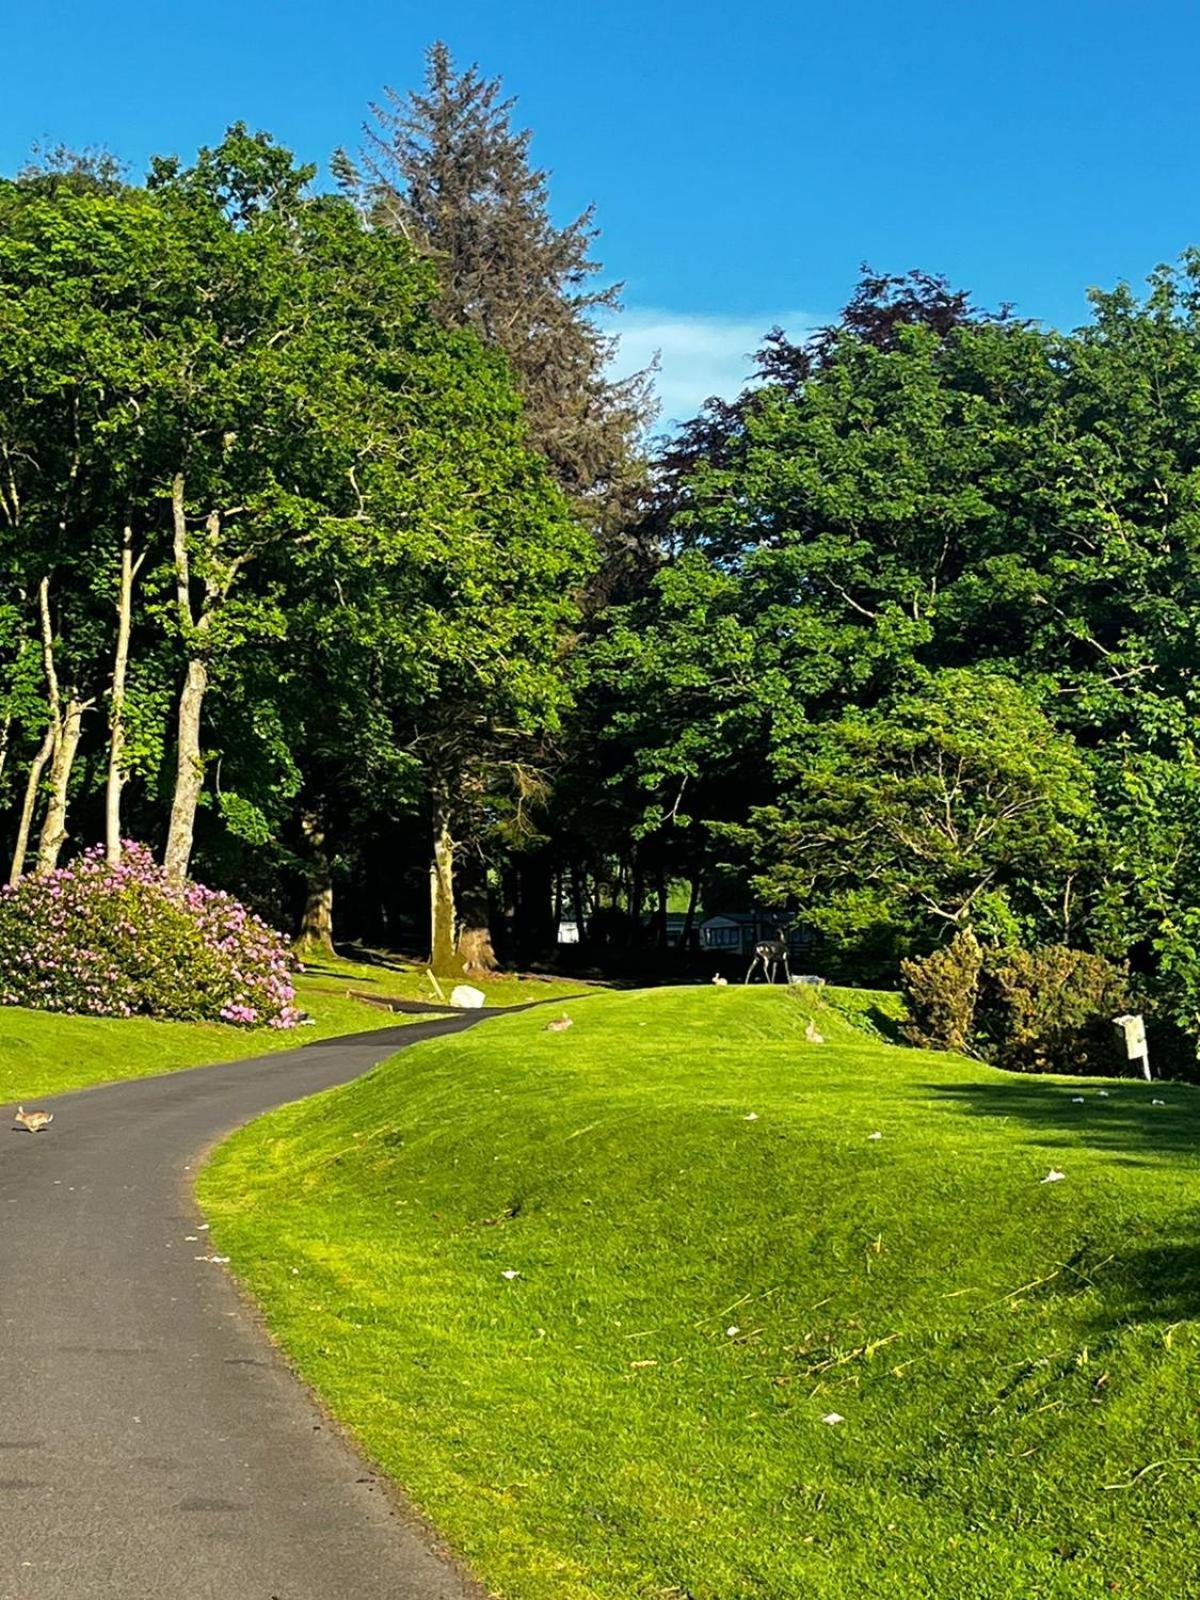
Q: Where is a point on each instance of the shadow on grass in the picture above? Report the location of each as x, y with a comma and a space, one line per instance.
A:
364, 956
1161, 1284
1154, 1276
889, 1028
873, 1019
1116, 1116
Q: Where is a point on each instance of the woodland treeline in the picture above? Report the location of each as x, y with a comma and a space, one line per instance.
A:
335, 566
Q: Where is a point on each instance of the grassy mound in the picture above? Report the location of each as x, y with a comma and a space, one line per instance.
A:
594, 1296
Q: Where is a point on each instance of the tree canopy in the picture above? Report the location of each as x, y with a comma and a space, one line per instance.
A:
341, 537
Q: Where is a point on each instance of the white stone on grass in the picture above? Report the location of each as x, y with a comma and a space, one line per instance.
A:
467, 997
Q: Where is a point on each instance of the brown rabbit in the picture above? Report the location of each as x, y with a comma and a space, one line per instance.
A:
32, 1121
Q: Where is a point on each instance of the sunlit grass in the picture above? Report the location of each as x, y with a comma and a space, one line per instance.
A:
589, 1296
392, 977
44, 1052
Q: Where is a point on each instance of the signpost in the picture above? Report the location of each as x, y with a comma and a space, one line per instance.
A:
1133, 1034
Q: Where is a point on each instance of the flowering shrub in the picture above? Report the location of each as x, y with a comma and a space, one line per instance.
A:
121, 941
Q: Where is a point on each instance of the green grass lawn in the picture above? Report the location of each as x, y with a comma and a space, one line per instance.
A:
589, 1296
393, 978
45, 1052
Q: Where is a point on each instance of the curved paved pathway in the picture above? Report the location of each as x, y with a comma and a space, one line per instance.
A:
152, 1444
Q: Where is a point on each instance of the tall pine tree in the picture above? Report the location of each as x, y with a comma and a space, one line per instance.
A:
448, 169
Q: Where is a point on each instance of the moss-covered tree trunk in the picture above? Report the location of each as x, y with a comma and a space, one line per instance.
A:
316, 924
476, 952
189, 772
443, 957
54, 825
189, 761
116, 708
32, 784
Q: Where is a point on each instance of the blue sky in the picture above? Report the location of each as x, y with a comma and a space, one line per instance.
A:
743, 158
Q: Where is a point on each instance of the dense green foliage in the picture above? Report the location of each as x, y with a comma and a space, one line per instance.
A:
588, 1297
1049, 1009
918, 654
228, 411
941, 991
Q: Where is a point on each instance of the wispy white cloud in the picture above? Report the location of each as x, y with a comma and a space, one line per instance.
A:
700, 355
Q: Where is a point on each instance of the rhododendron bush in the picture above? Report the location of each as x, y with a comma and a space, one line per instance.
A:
121, 941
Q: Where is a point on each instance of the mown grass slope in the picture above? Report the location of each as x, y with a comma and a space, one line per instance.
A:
589, 1296
46, 1052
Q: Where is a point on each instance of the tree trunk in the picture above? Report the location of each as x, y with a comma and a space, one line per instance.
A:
189, 773
37, 767
442, 958
54, 826
689, 922
475, 950
508, 913
189, 765
51, 744
316, 925
116, 714
660, 885
579, 901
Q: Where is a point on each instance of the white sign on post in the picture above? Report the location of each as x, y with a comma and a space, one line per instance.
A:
1133, 1032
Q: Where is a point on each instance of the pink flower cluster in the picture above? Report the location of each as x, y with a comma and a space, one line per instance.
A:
121, 941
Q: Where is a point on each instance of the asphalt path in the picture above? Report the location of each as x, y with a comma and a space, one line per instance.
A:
153, 1444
